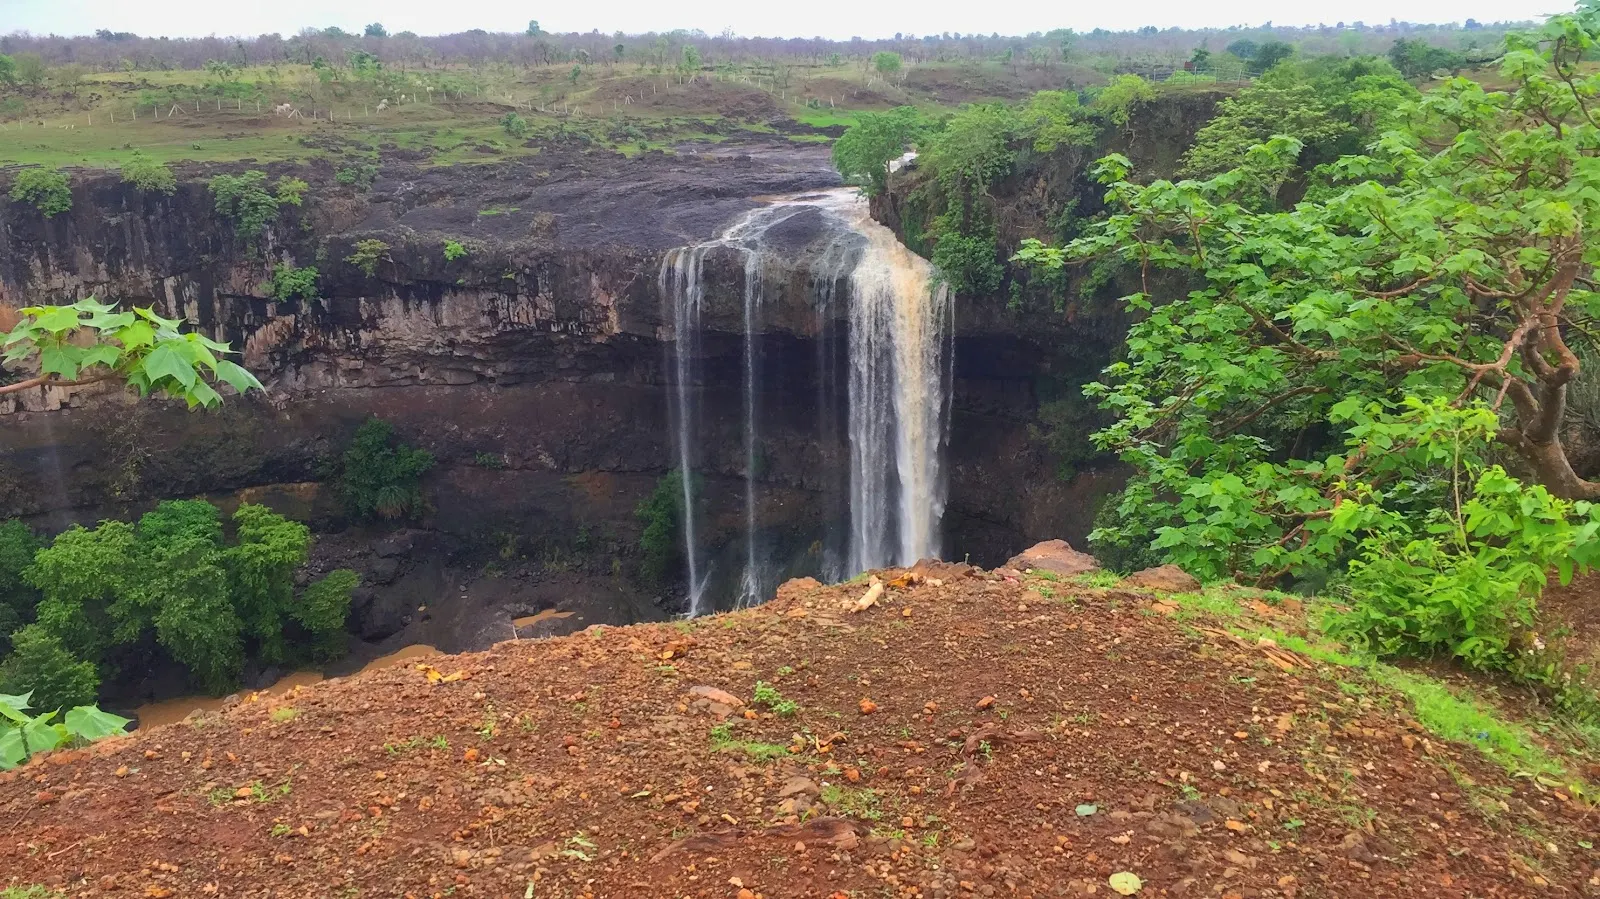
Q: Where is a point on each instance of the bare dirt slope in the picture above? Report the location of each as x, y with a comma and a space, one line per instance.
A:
970, 734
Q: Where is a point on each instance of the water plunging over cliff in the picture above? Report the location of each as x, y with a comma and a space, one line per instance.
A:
897, 374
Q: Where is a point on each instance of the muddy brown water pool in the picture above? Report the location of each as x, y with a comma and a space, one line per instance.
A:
169, 711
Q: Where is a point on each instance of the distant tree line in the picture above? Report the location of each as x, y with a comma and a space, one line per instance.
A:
108, 51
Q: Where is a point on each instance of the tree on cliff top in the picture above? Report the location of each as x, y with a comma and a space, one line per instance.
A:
863, 154
1338, 392
89, 341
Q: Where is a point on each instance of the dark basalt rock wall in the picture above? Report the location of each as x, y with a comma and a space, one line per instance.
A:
533, 368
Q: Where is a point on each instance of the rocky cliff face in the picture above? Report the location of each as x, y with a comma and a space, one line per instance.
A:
533, 368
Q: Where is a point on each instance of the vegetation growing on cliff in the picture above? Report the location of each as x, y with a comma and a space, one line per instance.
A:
291, 282
1372, 384
380, 476
245, 200
367, 254
661, 513
148, 174
49, 192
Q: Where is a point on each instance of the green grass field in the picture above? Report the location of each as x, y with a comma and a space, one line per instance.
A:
451, 115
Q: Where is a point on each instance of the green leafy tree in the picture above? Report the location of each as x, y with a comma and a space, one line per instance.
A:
863, 153
31, 71
367, 254
375, 29
8, 71
148, 174
1120, 96
90, 341
514, 125
382, 478
1338, 390
173, 578
1055, 119
261, 567
533, 28
1416, 58
973, 149
691, 60
1270, 54
39, 663
322, 611
661, 513
886, 63
245, 200
49, 192
1255, 115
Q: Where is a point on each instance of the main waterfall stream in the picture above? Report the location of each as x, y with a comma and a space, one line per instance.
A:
898, 322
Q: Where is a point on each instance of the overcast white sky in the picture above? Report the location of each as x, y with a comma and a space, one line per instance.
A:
806, 18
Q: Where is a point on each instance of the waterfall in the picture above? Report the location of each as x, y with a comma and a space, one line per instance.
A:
679, 281
898, 321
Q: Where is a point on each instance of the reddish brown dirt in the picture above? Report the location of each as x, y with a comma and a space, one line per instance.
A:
584, 766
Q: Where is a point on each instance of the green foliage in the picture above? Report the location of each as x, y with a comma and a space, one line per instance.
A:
18, 543
358, 174
1268, 55
1336, 393
323, 608
661, 513
367, 254
863, 153
37, 662
886, 62
1332, 109
148, 174
973, 149
244, 200
1468, 579
1417, 58
23, 735
969, 263
291, 191
290, 282
514, 125
8, 71
767, 695
453, 250
89, 340
49, 192
381, 477
174, 579
1116, 101
1055, 119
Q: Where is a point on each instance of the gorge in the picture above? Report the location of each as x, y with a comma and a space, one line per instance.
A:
543, 373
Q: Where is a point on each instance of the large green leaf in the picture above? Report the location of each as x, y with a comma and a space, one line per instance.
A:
18, 701
58, 319
165, 362
13, 751
42, 734
236, 376
90, 723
